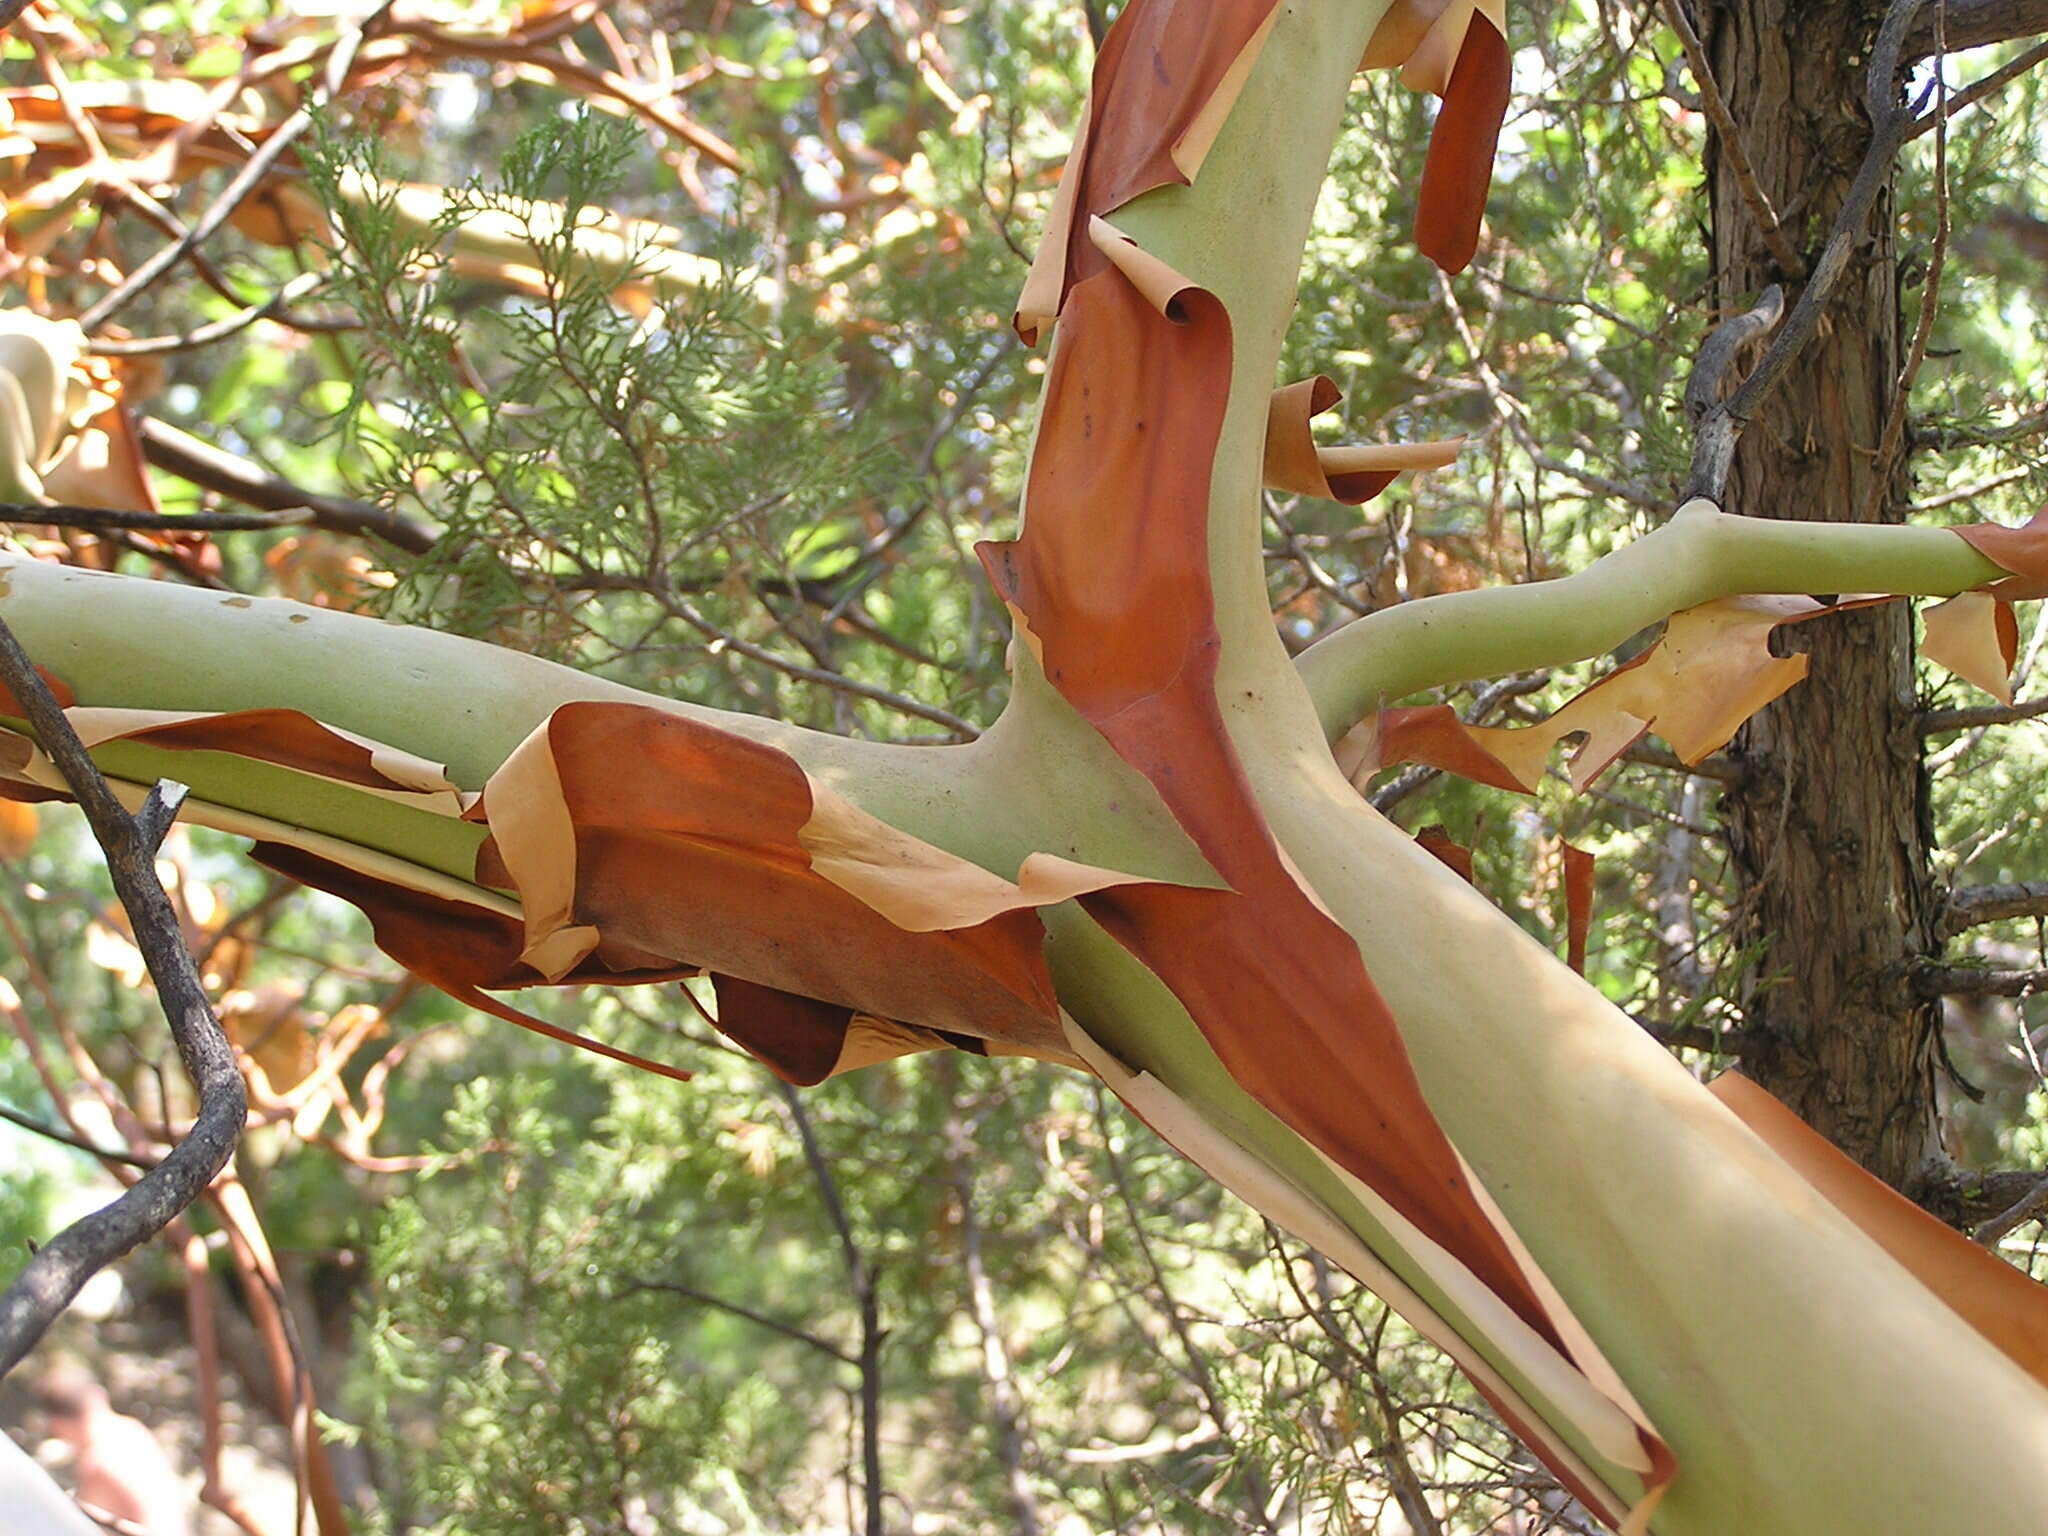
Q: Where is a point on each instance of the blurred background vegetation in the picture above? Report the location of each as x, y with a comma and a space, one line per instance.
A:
740, 454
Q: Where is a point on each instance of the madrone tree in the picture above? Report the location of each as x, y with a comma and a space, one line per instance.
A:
1155, 867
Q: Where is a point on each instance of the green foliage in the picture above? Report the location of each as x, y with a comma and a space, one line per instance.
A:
562, 443
514, 1380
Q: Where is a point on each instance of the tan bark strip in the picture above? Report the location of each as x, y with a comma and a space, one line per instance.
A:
1273, 1194
1975, 636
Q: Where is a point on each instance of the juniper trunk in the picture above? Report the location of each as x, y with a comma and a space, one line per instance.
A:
1828, 822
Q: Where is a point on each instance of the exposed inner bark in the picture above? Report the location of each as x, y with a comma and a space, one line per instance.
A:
1829, 824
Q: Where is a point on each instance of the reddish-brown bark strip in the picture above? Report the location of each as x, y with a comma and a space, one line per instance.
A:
687, 853
1447, 851
459, 949
287, 738
1432, 734
1111, 576
1459, 168
13, 709
687, 859
1156, 72
799, 1038
1578, 905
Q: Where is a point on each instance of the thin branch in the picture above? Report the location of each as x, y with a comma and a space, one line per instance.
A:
1970, 492
104, 519
1977, 23
2027, 425
1005, 1403
2029, 1207
50, 1279
215, 469
244, 182
758, 1319
722, 639
1716, 767
1197, 1363
861, 1280
219, 330
1717, 428
1944, 722
1937, 981
1972, 906
1930, 288
1715, 105
36, 1127
1977, 90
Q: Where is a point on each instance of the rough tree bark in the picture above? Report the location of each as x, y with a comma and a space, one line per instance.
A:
1828, 823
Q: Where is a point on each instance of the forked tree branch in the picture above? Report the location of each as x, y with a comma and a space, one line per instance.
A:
215, 469
57, 1271
244, 182
1977, 90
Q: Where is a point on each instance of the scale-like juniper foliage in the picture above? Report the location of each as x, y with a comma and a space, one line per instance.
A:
599, 452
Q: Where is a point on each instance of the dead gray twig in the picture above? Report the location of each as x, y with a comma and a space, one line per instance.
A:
57, 1271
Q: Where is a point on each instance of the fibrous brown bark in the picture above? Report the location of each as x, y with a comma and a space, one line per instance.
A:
1828, 823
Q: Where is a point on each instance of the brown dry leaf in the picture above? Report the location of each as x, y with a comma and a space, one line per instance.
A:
108, 946
1352, 475
326, 571
104, 466
1996, 1299
266, 1024
1976, 636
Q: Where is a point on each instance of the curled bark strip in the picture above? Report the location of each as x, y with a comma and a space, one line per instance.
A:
1459, 169
2022, 550
1123, 618
1163, 85
1353, 475
1711, 670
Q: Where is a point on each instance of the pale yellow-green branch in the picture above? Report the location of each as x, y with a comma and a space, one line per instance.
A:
1700, 555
